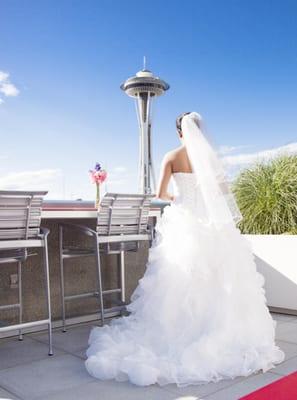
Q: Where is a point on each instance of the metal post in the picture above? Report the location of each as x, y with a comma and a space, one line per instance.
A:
20, 298
62, 278
122, 276
99, 277
48, 295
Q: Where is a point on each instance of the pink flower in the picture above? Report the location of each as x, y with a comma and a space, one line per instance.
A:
98, 176
102, 175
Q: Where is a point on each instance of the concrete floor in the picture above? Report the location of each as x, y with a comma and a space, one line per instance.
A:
27, 372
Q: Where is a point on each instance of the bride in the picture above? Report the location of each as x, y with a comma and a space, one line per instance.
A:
199, 313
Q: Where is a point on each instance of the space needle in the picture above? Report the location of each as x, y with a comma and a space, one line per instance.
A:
144, 87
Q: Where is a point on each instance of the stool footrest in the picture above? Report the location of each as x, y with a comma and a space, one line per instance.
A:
91, 294
10, 306
79, 296
77, 252
118, 290
24, 325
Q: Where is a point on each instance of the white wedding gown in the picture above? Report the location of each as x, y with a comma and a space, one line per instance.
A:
199, 313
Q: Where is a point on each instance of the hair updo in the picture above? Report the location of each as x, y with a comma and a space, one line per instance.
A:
179, 121
197, 118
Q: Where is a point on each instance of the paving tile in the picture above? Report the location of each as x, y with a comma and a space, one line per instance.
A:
81, 354
203, 389
113, 390
286, 367
243, 387
75, 340
6, 395
290, 349
44, 377
14, 352
64, 376
287, 331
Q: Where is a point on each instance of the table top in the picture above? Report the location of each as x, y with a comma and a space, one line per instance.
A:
78, 210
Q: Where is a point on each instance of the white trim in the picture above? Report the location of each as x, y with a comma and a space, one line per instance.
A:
18, 244
82, 214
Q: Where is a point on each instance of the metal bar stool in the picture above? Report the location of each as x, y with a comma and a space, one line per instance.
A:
122, 223
20, 217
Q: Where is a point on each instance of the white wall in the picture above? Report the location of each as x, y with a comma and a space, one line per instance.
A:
276, 259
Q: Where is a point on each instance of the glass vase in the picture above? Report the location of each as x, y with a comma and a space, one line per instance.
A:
97, 200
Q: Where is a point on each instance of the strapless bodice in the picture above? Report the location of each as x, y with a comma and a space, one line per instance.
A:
186, 190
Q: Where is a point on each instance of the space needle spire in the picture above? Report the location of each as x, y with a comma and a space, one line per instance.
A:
144, 87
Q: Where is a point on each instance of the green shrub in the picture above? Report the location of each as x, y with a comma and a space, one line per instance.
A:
267, 196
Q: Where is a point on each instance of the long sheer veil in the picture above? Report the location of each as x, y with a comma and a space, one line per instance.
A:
211, 177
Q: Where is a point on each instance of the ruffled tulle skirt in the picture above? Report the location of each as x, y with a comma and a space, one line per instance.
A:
198, 315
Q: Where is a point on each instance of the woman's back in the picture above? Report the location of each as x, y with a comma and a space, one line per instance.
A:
175, 161
180, 160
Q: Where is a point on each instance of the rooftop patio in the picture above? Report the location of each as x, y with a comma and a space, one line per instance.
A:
27, 372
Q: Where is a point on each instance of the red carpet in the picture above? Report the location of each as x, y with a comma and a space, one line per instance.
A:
282, 389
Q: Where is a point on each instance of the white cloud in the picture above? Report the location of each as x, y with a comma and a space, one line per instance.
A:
121, 179
223, 150
7, 88
249, 158
117, 182
120, 168
3, 76
30, 180
119, 175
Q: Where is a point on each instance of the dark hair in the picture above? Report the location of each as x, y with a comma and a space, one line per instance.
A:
179, 120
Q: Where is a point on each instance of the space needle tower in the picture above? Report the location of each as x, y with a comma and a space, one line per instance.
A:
144, 87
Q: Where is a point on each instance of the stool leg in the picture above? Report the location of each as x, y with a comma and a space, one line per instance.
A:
98, 264
62, 278
122, 276
20, 298
48, 298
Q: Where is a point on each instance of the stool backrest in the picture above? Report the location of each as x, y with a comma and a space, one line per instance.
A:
20, 214
123, 214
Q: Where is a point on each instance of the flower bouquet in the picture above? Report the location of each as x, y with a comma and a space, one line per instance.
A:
98, 176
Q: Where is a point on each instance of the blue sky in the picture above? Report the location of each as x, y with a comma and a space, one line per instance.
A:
235, 62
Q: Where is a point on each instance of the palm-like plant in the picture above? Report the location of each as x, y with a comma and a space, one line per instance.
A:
267, 197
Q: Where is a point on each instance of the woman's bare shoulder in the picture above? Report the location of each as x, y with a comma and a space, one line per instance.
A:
172, 154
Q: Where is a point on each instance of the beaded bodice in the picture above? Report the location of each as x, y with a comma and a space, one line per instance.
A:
186, 190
